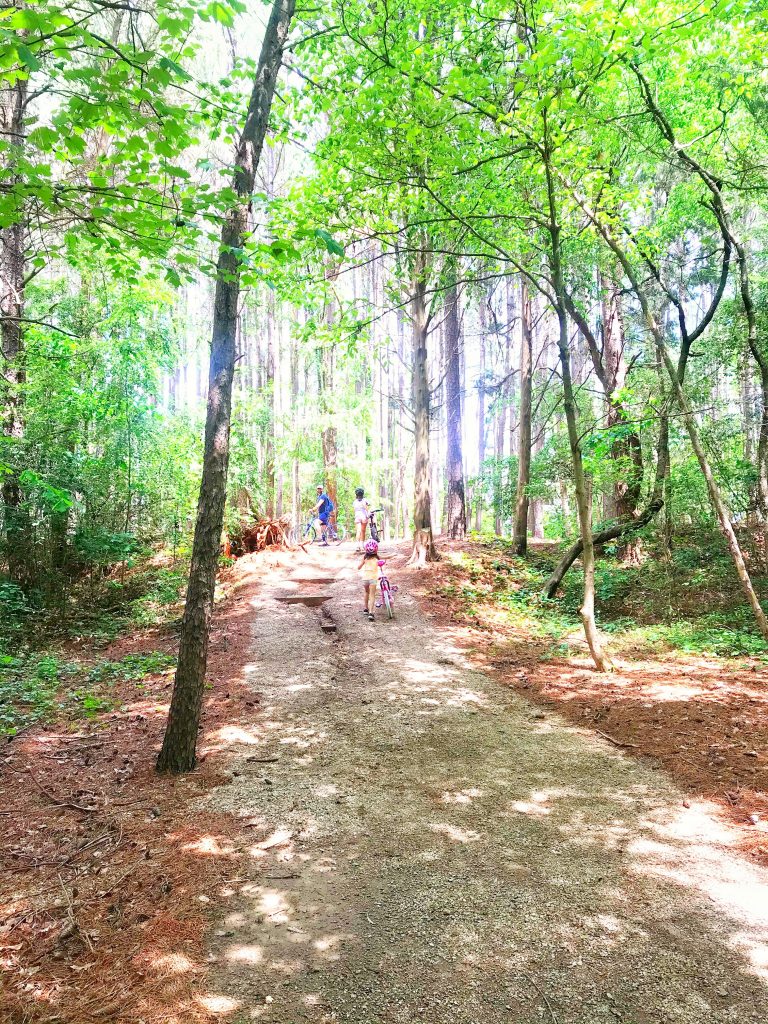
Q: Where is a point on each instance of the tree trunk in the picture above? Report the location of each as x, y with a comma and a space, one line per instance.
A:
481, 426
520, 528
587, 610
271, 389
499, 479
455, 502
295, 483
675, 375
437, 425
746, 397
759, 352
502, 407
536, 518
401, 510
180, 741
583, 504
330, 463
328, 436
610, 366
327, 369
423, 541
536, 506
384, 419
718, 505
18, 530
762, 441
564, 503
626, 451
60, 531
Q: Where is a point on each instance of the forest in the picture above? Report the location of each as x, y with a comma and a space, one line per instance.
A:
502, 265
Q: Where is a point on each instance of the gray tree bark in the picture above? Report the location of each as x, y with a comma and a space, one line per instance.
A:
423, 542
18, 534
455, 501
520, 527
180, 741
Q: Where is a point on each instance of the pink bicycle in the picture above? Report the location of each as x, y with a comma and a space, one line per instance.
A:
387, 591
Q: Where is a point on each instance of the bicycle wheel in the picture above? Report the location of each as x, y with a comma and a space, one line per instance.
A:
374, 531
339, 533
310, 533
388, 602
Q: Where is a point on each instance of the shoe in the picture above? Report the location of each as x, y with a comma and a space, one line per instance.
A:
370, 617
324, 544
365, 610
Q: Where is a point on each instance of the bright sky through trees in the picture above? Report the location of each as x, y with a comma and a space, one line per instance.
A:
589, 177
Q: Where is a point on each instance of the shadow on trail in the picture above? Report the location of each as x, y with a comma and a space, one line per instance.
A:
428, 847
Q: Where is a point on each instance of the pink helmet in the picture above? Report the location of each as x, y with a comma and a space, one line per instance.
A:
371, 547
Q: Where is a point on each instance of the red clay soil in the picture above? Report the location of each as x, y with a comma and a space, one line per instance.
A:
106, 872
703, 720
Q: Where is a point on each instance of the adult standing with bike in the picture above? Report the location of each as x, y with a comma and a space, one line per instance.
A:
362, 509
323, 509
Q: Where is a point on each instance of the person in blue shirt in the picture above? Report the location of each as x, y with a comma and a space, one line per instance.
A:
323, 510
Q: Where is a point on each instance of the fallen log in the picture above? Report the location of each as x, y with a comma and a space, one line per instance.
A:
621, 529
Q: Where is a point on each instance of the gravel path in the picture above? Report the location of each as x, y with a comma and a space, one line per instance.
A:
430, 847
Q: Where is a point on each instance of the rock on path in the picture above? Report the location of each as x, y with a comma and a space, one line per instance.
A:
429, 847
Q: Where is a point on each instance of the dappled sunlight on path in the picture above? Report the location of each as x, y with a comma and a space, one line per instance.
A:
429, 847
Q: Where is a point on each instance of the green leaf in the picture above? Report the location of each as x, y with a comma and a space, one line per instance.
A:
175, 27
330, 242
27, 57
219, 12
170, 65
43, 137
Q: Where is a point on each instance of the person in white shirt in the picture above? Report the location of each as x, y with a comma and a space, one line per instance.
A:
362, 509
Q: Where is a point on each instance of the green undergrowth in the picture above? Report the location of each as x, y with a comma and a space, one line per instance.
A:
147, 595
690, 603
491, 578
40, 677
40, 687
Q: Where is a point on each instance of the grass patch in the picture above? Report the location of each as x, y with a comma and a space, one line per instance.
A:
28, 688
38, 688
38, 683
691, 604
161, 590
499, 582
709, 635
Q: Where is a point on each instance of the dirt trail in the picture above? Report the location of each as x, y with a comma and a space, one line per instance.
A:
429, 847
